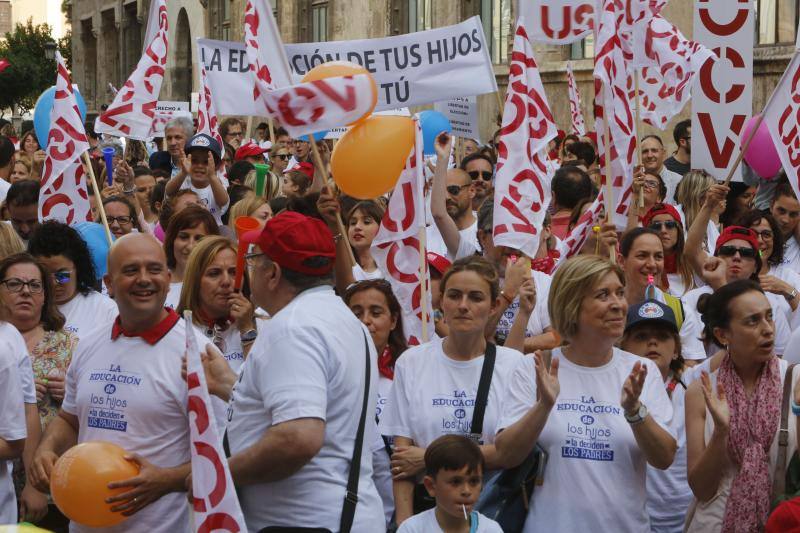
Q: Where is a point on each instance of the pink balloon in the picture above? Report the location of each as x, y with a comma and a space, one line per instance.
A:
761, 155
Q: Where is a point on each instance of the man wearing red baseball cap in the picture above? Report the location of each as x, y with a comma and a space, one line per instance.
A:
299, 405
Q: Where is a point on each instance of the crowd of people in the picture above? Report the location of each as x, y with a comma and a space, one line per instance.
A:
652, 373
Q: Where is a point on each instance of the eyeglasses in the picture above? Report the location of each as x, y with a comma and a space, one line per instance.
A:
485, 175
669, 224
250, 259
122, 221
62, 277
764, 233
285, 157
730, 251
456, 189
235, 134
35, 286
651, 184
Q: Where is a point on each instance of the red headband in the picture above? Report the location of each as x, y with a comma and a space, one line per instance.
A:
737, 232
661, 209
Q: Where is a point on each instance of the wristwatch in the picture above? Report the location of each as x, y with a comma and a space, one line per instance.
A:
638, 417
791, 296
248, 336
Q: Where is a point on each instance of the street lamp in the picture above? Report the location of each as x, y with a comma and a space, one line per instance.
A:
50, 50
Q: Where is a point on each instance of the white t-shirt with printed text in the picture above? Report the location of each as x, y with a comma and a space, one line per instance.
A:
131, 393
434, 395
86, 312
12, 414
426, 522
540, 318
596, 472
206, 196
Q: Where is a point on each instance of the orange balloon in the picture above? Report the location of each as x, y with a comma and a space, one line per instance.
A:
79, 482
368, 159
332, 69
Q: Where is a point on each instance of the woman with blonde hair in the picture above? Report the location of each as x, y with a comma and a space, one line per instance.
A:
690, 195
272, 184
600, 413
10, 243
249, 206
225, 316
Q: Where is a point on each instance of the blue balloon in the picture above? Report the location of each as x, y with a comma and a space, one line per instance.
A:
432, 123
41, 113
95, 237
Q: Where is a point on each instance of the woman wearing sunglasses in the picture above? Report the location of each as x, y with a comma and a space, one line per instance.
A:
225, 316
26, 294
677, 277
279, 158
736, 256
67, 260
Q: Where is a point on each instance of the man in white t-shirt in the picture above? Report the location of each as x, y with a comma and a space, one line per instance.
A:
124, 386
653, 155
200, 166
295, 410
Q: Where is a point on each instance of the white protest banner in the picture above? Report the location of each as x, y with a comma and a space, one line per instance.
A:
229, 78
557, 21
164, 112
414, 69
167, 106
782, 120
462, 112
722, 95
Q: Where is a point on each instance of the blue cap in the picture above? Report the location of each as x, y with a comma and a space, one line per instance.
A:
651, 312
202, 141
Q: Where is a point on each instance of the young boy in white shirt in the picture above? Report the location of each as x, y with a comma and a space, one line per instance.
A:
454, 476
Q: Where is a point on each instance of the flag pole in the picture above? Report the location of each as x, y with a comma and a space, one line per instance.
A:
638, 130
609, 187
97, 196
271, 131
249, 127
423, 282
324, 173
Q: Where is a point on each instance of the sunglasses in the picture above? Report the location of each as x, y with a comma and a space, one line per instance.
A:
285, 157
730, 251
669, 224
62, 276
485, 175
456, 189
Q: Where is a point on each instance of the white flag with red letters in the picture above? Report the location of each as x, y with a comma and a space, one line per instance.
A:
265, 51
575, 111
522, 185
669, 63
320, 105
133, 109
783, 120
206, 111
396, 247
215, 504
576, 238
558, 21
62, 193
613, 84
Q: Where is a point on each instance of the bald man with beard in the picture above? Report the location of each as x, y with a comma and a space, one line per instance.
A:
124, 386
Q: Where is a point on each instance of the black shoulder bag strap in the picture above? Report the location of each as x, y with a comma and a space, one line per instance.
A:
351, 496
476, 428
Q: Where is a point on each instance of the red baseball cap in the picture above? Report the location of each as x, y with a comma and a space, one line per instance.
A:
248, 150
785, 518
438, 262
291, 239
661, 209
731, 233
305, 167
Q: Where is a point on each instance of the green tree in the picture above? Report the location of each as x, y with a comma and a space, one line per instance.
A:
30, 72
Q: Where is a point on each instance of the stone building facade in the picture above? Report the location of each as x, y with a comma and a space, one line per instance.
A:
107, 40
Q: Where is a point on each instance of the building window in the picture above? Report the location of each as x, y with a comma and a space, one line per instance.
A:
5, 18
420, 16
221, 19
776, 21
225, 20
583, 49
496, 18
319, 21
